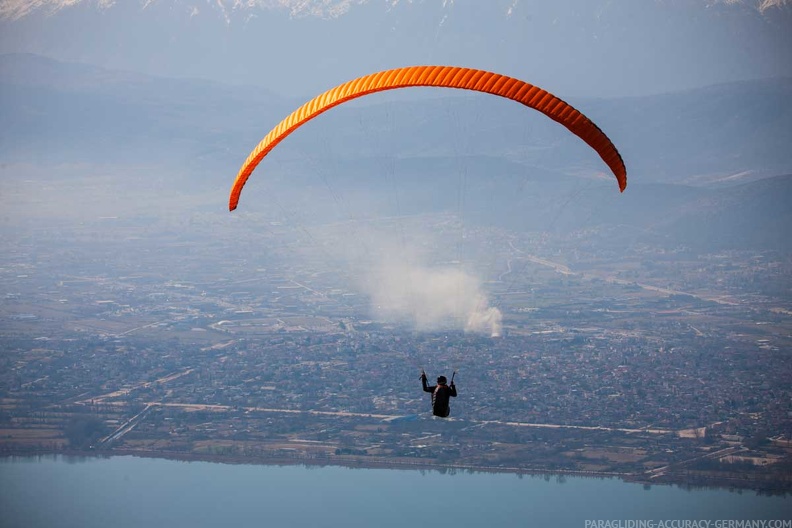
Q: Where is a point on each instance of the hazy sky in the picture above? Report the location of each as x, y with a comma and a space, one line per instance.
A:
300, 47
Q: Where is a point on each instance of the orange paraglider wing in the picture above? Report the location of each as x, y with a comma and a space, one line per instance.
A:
445, 77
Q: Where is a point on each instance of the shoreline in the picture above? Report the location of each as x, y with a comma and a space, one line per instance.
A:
354, 462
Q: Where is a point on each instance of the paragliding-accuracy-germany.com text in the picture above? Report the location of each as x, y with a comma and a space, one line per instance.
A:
689, 523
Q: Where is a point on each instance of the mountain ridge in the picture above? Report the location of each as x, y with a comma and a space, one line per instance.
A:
519, 169
717, 135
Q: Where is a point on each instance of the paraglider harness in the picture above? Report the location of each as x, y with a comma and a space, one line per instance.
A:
441, 394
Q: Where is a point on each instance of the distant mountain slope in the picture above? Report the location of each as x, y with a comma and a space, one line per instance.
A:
53, 111
723, 133
756, 215
708, 135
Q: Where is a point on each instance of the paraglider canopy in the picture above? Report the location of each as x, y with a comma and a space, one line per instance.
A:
442, 77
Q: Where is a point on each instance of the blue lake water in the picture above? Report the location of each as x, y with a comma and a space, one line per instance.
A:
131, 492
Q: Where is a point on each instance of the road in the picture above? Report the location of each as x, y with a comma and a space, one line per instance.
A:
125, 428
564, 270
347, 414
659, 472
124, 392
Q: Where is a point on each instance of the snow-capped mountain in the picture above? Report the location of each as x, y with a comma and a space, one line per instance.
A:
15, 9
300, 47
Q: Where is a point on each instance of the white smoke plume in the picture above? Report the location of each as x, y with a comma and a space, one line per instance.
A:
404, 288
431, 298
